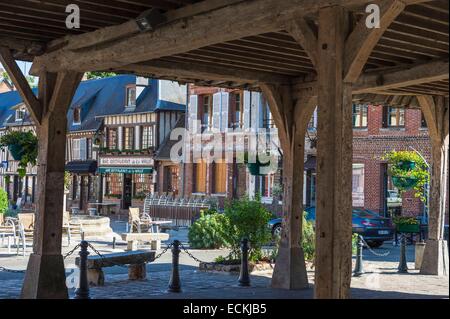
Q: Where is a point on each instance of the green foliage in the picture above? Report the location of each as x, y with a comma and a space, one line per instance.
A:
419, 172
27, 143
354, 243
209, 231
308, 239
277, 190
99, 75
3, 201
248, 219
404, 220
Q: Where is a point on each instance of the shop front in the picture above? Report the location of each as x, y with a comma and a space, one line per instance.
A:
127, 180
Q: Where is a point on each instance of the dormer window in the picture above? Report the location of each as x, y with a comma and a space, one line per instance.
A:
20, 114
77, 115
131, 96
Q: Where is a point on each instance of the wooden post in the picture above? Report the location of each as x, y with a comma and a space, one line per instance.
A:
291, 117
334, 160
45, 276
435, 259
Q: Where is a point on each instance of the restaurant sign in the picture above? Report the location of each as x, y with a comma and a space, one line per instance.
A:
126, 161
125, 170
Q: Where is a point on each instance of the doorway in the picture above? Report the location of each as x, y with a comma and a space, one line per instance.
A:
127, 190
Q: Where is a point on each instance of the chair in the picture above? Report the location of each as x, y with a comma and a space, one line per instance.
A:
135, 221
25, 229
8, 230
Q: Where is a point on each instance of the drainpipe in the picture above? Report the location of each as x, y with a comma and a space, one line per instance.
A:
186, 121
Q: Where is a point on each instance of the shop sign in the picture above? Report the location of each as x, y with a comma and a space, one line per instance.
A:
126, 161
125, 170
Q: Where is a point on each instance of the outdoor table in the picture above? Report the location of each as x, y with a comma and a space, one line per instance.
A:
157, 223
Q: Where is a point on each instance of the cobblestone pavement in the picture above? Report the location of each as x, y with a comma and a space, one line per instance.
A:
381, 279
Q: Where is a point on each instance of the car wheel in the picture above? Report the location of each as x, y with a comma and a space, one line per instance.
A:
276, 231
375, 244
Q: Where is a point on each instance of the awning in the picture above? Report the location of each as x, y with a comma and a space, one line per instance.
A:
126, 170
310, 163
80, 167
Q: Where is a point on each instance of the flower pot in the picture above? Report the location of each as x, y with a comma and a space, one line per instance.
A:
408, 228
406, 165
16, 151
404, 182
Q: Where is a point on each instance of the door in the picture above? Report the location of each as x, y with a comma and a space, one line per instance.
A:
127, 190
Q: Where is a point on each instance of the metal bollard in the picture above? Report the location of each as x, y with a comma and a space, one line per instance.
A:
174, 283
359, 269
244, 278
82, 292
114, 243
403, 266
82, 236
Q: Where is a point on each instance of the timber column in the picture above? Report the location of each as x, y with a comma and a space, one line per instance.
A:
45, 276
435, 259
334, 160
291, 116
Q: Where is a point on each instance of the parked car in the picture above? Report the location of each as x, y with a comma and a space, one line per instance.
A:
374, 228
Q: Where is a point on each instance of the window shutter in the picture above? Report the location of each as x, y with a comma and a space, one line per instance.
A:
224, 112
255, 111
216, 112
83, 149
193, 113
247, 97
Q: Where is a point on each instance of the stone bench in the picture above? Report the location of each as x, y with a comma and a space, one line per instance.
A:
153, 238
135, 259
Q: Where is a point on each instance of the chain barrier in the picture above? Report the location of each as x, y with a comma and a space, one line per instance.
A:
198, 260
71, 252
372, 251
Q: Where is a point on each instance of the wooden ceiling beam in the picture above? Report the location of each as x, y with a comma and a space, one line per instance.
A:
234, 21
21, 83
305, 36
409, 76
362, 40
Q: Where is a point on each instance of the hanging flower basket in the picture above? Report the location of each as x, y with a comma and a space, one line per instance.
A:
406, 165
16, 151
404, 183
255, 168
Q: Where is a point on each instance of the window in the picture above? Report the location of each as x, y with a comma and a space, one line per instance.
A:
112, 138
267, 185
360, 115
128, 138
358, 185
423, 121
20, 114
147, 137
200, 177
171, 174
131, 96
77, 115
142, 184
89, 148
220, 178
207, 111
76, 154
113, 184
239, 111
394, 117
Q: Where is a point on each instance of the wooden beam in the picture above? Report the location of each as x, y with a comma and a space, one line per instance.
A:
22, 46
407, 76
227, 23
21, 83
304, 35
362, 40
199, 71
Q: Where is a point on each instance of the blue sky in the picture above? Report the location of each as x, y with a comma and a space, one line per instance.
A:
24, 66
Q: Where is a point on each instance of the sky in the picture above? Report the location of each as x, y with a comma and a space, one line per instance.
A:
24, 66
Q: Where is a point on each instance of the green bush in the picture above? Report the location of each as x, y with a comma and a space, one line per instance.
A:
3, 201
248, 219
308, 239
209, 231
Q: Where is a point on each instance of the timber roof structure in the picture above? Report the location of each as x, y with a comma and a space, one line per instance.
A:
250, 41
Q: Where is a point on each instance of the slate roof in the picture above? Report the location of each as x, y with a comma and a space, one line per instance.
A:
97, 99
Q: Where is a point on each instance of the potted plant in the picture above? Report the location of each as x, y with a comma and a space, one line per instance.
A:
405, 224
23, 147
408, 171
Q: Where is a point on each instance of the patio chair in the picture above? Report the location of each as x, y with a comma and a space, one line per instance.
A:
25, 229
70, 228
8, 231
135, 222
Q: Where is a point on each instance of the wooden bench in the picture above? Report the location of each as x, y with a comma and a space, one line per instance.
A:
153, 238
135, 259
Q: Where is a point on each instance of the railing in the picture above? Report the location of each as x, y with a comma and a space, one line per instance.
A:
182, 211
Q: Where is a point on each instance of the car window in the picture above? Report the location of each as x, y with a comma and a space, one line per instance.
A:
364, 214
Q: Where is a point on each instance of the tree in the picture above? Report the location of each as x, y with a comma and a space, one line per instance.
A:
99, 75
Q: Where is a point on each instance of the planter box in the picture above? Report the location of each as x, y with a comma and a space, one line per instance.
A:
403, 228
214, 267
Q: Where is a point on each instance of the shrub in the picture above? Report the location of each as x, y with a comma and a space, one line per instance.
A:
3, 201
209, 231
248, 219
308, 239
27, 143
